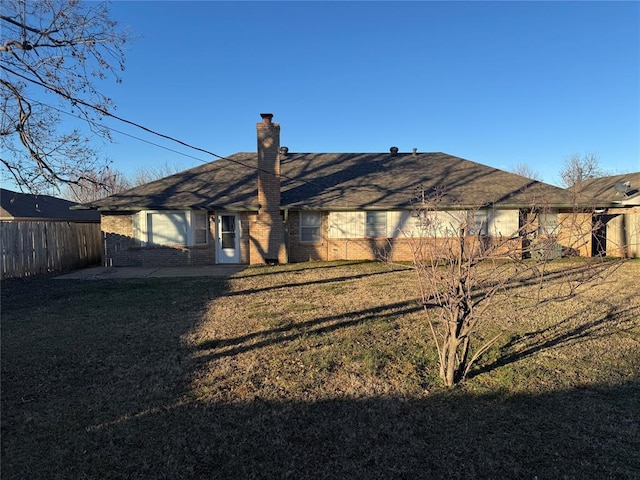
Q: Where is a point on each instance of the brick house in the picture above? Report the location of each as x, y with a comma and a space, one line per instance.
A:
275, 206
617, 212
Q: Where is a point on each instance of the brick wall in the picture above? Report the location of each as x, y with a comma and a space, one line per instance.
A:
399, 249
304, 252
120, 249
267, 229
393, 249
246, 219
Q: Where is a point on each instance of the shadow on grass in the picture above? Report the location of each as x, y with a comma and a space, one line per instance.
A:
76, 352
321, 281
87, 393
289, 332
577, 434
567, 332
260, 270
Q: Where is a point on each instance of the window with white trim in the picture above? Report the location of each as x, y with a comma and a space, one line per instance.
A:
166, 228
310, 227
376, 225
170, 228
200, 227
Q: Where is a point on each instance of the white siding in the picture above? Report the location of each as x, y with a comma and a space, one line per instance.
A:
436, 224
400, 224
432, 224
346, 224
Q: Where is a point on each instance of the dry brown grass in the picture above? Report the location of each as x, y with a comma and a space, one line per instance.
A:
310, 371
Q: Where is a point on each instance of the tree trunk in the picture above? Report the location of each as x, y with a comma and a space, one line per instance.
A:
449, 355
464, 358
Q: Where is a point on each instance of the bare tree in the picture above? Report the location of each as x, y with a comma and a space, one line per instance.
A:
149, 174
467, 275
54, 54
96, 185
576, 169
525, 170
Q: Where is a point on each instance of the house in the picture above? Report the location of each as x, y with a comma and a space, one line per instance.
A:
26, 207
617, 205
274, 205
41, 234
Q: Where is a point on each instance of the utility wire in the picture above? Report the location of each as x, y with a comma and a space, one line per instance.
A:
92, 122
146, 129
153, 132
107, 113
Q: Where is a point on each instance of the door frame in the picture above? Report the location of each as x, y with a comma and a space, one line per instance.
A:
222, 254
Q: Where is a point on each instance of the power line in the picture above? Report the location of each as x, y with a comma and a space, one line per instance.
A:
107, 113
146, 129
37, 102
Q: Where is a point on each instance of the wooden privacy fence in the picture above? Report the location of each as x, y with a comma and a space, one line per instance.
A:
31, 248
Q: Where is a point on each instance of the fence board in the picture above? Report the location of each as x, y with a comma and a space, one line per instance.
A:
32, 248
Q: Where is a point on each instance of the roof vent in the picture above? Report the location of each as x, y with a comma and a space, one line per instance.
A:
284, 151
393, 150
415, 151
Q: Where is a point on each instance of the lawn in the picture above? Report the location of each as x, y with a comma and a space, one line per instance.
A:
309, 371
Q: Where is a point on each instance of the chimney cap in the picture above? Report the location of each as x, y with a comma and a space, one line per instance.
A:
266, 117
393, 150
284, 151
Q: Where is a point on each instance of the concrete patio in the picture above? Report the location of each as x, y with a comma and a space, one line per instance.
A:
104, 273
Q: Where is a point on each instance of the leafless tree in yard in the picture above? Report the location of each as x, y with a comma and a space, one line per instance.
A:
467, 275
525, 170
54, 55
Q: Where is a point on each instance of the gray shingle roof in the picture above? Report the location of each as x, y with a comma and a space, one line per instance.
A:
340, 181
605, 188
25, 206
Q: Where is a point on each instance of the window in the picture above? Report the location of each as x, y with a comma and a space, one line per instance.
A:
310, 226
227, 227
376, 225
170, 228
200, 227
166, 228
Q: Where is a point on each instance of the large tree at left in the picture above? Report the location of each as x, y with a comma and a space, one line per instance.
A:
56, 56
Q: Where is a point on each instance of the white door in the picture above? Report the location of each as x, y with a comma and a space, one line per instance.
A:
227, 239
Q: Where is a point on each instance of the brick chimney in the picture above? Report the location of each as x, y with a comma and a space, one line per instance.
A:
267, 244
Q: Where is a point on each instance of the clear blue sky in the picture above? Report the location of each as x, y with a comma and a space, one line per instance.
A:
500, 83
